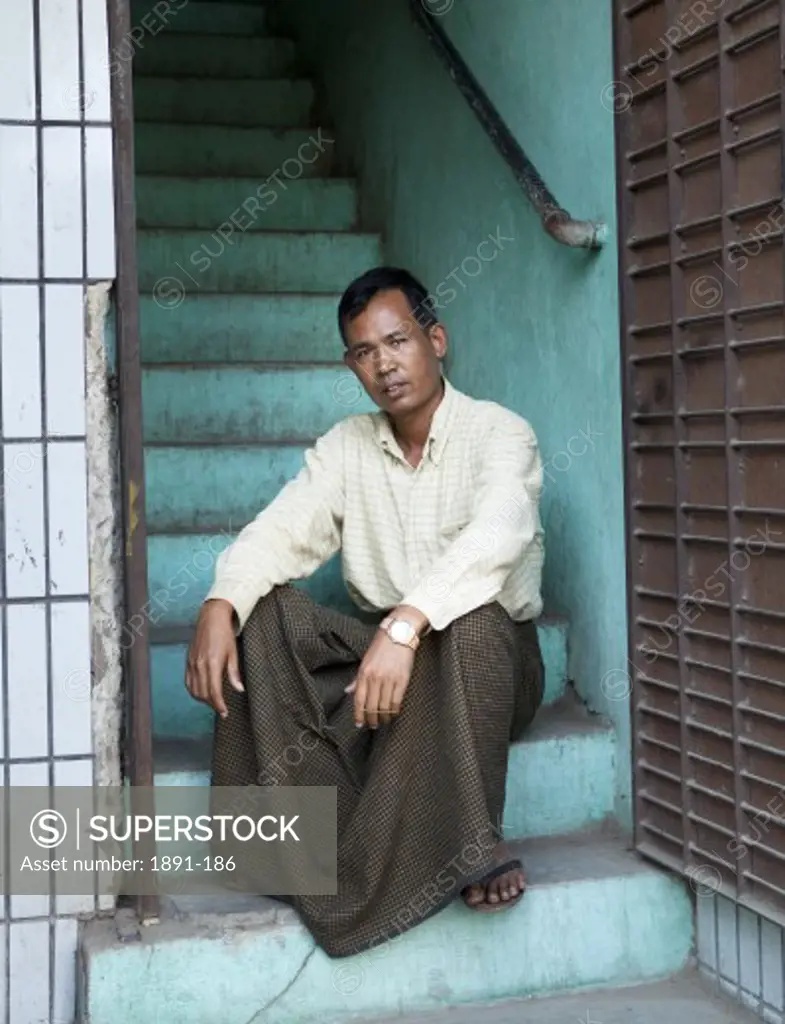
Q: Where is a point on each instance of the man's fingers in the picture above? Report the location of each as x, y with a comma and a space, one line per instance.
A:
233, 672
372, 704
385, 701
398, 693
215, 670
360, 692
351, 687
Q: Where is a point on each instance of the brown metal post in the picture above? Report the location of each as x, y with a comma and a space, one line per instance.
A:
138, 711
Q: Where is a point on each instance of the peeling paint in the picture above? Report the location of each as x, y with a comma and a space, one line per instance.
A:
133, 515
105, 546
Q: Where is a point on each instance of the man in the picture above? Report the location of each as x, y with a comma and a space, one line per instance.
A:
433, 503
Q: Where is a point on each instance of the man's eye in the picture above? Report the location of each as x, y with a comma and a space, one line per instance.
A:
395, 342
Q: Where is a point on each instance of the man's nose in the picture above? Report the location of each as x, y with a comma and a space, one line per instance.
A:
384, 362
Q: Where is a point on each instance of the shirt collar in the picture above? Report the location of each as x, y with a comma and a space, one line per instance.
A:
437, 435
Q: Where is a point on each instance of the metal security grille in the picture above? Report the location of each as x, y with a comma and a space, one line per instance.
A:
698, 100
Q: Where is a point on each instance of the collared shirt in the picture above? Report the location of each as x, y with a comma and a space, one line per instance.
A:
459, 530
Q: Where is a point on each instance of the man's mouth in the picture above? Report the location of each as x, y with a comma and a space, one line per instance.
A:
396, 388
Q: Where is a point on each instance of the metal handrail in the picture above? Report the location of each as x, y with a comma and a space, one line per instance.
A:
556, 221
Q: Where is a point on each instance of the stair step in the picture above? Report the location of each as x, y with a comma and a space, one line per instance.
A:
194, 150
181, 570
202, 489
247, 403
265, 328
176, 716
215, 56
560, 778
255, 261
235, 205
593, 915
198, 16
280, 102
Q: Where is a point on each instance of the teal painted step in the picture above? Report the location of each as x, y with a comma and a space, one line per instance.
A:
194, 150
245, 204
274, 328
205, 488
593, 915
284, 102
560, 777
255, 261
175, 715
181, 570
219, 18
250, 402
215, 56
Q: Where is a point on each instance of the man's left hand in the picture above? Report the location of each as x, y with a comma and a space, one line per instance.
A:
381, 682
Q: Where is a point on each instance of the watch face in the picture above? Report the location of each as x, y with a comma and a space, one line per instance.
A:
401, 632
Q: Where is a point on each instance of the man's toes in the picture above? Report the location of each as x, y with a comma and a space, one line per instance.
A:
475, 894
493, 895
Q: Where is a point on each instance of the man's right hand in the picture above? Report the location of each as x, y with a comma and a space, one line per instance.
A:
213, 655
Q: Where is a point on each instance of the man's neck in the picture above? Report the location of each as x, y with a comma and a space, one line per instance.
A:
411, 430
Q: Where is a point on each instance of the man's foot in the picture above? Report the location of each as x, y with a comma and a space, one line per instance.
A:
501, 888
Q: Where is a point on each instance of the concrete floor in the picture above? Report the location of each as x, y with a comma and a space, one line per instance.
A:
687, 999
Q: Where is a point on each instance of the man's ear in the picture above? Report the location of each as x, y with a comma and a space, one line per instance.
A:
439, 340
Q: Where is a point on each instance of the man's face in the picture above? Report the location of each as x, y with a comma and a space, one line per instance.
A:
398, 363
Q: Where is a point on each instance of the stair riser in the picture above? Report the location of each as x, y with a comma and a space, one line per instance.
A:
181, 570
287, 328
205, 488
234, 405
285, 103
555, 784
232, 152
213, 205
176, 716
210, 56
250, 262
191, 16
602, 932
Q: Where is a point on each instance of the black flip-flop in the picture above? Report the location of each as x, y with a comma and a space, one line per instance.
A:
484, 907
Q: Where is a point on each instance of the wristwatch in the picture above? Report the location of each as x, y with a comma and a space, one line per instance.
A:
400, 632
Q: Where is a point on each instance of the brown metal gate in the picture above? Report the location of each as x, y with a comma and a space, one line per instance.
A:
698, 99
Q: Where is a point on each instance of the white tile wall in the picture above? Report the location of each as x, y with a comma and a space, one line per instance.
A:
46, 559
59, 21
27, 681
29, 906
727, 949
65, 359
100, 204
18, 201
65, 972
71, 687
97, 61
17, 95
68, 555
62, 202
25, 551
748, 951
73, 773
19, 333
771, 965
29, 972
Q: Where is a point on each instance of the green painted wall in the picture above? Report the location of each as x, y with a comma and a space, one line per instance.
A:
536, 327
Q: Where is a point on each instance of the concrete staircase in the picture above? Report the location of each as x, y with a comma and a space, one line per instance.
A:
242, 371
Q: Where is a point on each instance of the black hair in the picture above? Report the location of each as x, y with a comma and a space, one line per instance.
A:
358, 295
